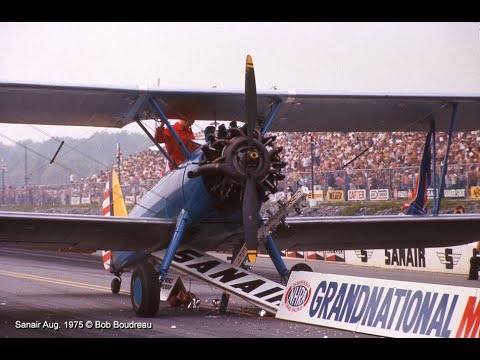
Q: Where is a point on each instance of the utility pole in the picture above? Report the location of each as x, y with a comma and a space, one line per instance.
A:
118, 155
26, 177
4, 168
311, 163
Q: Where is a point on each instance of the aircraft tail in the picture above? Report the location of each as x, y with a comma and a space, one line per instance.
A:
113, 205
418, 205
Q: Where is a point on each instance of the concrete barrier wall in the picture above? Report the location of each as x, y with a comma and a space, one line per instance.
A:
450, 260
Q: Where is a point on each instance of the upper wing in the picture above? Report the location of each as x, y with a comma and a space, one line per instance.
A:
378, 232
83, 232
117, 106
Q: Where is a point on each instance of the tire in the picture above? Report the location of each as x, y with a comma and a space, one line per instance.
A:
115, 285
301, 267
145, 290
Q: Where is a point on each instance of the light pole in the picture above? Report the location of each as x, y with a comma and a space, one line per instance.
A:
311, 162
118, 155
26, 169
4, 168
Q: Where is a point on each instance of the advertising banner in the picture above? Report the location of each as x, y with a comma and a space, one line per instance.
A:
381, 307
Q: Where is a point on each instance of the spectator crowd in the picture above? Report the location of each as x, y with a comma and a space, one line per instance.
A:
391, 160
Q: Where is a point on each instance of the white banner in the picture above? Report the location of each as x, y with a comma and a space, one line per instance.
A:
379, 194
402, 194
381, 307
170, 283
449, 193
357, 195
451, 260
455, 193
258, 290
129, 199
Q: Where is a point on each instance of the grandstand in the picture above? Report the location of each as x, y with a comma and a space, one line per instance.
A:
387, 170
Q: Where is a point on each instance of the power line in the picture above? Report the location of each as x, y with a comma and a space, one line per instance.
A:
39, 154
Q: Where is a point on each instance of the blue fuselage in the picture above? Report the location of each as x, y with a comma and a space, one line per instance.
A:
174, 192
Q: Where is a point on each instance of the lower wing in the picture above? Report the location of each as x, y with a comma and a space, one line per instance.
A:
377, 232
83, 232
90, 233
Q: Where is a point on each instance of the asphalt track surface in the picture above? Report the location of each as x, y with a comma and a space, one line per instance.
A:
66, 290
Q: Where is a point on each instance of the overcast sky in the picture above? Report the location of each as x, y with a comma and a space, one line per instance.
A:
323, 57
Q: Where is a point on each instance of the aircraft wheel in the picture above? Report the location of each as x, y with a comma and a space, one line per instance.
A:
145, 290
115, 285
301, 267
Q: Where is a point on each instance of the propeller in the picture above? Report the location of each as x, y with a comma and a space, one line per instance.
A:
241, 166
250, 99
250, 205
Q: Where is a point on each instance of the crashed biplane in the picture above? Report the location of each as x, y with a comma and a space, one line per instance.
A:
212, 200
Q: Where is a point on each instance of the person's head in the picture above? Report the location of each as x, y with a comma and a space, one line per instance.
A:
459, 210
209, 131
186, 123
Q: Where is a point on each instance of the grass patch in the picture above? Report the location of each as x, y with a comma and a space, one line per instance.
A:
353, 207
30, 208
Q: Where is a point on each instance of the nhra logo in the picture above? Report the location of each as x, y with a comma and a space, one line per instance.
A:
297, 295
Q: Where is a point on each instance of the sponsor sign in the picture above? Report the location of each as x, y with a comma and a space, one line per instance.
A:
297, 295
402, 194
430, 193
317, 195
357, 195
455, 193
129, 199
295, 254
364, 255
75, 200
406, 257
475, 192
171, 286
335, 255
379, 194
85, 200
452, 260
315, 255
258, 290
381, 307
335, 195
449, 193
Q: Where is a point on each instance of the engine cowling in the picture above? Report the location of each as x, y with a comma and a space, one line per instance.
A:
228, 159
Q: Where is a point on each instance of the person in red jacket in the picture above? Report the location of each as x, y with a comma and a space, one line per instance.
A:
183, 128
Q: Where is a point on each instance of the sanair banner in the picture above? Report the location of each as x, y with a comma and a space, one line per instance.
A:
449, 260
